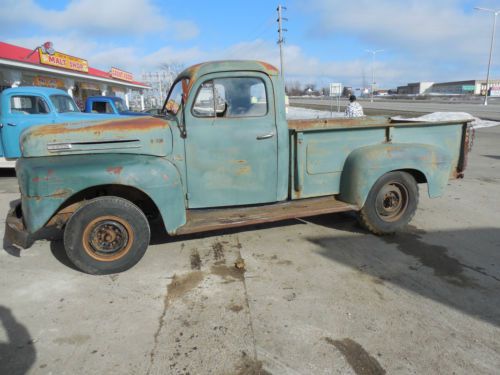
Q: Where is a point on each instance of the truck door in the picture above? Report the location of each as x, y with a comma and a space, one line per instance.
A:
24, 110
231, 144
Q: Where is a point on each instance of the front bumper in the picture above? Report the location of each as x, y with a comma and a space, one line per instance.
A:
15, 231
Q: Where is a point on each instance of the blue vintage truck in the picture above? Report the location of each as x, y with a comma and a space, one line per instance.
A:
222, 156
110, 104
23, 107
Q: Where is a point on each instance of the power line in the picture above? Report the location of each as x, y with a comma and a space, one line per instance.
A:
253, 35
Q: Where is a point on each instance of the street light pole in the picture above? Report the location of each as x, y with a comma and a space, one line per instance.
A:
495, 13
373, 52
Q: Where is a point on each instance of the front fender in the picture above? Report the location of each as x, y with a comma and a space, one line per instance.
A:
364, 166
46, 183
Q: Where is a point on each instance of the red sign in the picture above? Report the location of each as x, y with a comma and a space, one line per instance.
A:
121, 74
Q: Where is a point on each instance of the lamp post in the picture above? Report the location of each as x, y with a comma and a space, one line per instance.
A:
373, 52
495, 13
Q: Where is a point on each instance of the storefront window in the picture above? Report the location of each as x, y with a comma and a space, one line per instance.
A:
64, 103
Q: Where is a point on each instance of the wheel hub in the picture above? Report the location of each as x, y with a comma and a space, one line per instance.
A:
392, 201
108, 237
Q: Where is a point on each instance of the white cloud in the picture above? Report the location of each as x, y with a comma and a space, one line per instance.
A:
91, 17
425, 39
427, 28
298, 65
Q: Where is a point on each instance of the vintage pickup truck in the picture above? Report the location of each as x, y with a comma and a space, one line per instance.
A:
222, 156
26, 106
109, 104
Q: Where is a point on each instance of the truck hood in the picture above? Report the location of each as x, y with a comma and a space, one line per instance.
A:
132, 135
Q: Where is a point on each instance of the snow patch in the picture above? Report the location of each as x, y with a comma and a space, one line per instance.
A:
298, 113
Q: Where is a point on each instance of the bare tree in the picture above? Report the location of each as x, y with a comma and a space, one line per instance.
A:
160, 82
293, 88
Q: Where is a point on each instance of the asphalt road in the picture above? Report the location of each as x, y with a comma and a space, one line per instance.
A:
320, 296
409, 108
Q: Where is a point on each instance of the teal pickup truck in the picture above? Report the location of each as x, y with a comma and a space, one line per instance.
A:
222, 156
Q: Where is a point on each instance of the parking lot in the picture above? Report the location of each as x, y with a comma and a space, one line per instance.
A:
316, 296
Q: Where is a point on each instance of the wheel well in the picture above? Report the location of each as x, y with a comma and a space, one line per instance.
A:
417, 175
132, 194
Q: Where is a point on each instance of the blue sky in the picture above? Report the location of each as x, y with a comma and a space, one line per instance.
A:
423, 40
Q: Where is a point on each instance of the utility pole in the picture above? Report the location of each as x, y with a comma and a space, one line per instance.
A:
281, 40
373, 52
496, 13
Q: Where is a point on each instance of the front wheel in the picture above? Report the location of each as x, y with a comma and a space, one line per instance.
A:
106, 235
391, 203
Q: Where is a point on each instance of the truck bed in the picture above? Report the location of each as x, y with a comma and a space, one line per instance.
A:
323, 151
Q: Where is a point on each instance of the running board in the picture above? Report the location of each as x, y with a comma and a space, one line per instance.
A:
204, 220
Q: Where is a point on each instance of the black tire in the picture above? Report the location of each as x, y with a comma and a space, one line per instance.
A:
391, 203
106, 235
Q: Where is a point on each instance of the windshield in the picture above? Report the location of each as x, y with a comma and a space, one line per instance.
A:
174, 100
64, 103
120, 105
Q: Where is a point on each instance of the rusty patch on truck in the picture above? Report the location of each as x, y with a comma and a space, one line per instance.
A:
340, 123
60, 193
142, 124
268, 67
114, 170
37, 179
466, 146
63, 215
243, 170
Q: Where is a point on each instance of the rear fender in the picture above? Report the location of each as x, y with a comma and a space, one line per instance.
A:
364, 166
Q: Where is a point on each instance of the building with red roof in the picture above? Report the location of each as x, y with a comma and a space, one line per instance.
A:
43, 66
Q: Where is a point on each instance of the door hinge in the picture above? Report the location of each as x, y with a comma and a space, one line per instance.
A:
188, 196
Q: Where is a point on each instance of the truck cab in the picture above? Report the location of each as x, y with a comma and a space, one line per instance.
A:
109, 105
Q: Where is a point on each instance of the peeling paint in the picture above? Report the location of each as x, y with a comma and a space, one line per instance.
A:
114, 170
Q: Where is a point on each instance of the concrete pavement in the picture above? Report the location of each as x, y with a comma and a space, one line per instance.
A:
315, 297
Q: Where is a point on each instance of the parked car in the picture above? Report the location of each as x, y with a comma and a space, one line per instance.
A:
109, 104
26, 106
208, 166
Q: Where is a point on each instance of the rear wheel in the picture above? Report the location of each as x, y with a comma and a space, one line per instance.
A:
106, 235
391, 203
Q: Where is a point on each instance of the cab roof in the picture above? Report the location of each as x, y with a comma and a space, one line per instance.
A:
198, 70
35, 90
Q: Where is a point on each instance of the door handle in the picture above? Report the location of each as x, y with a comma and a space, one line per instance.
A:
265, 136
11, 124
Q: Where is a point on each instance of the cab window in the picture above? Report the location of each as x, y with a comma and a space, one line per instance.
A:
102, 107
64, 103
176, 95
231, 97
28, 105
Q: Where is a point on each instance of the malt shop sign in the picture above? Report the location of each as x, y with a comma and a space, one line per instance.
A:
62, 60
